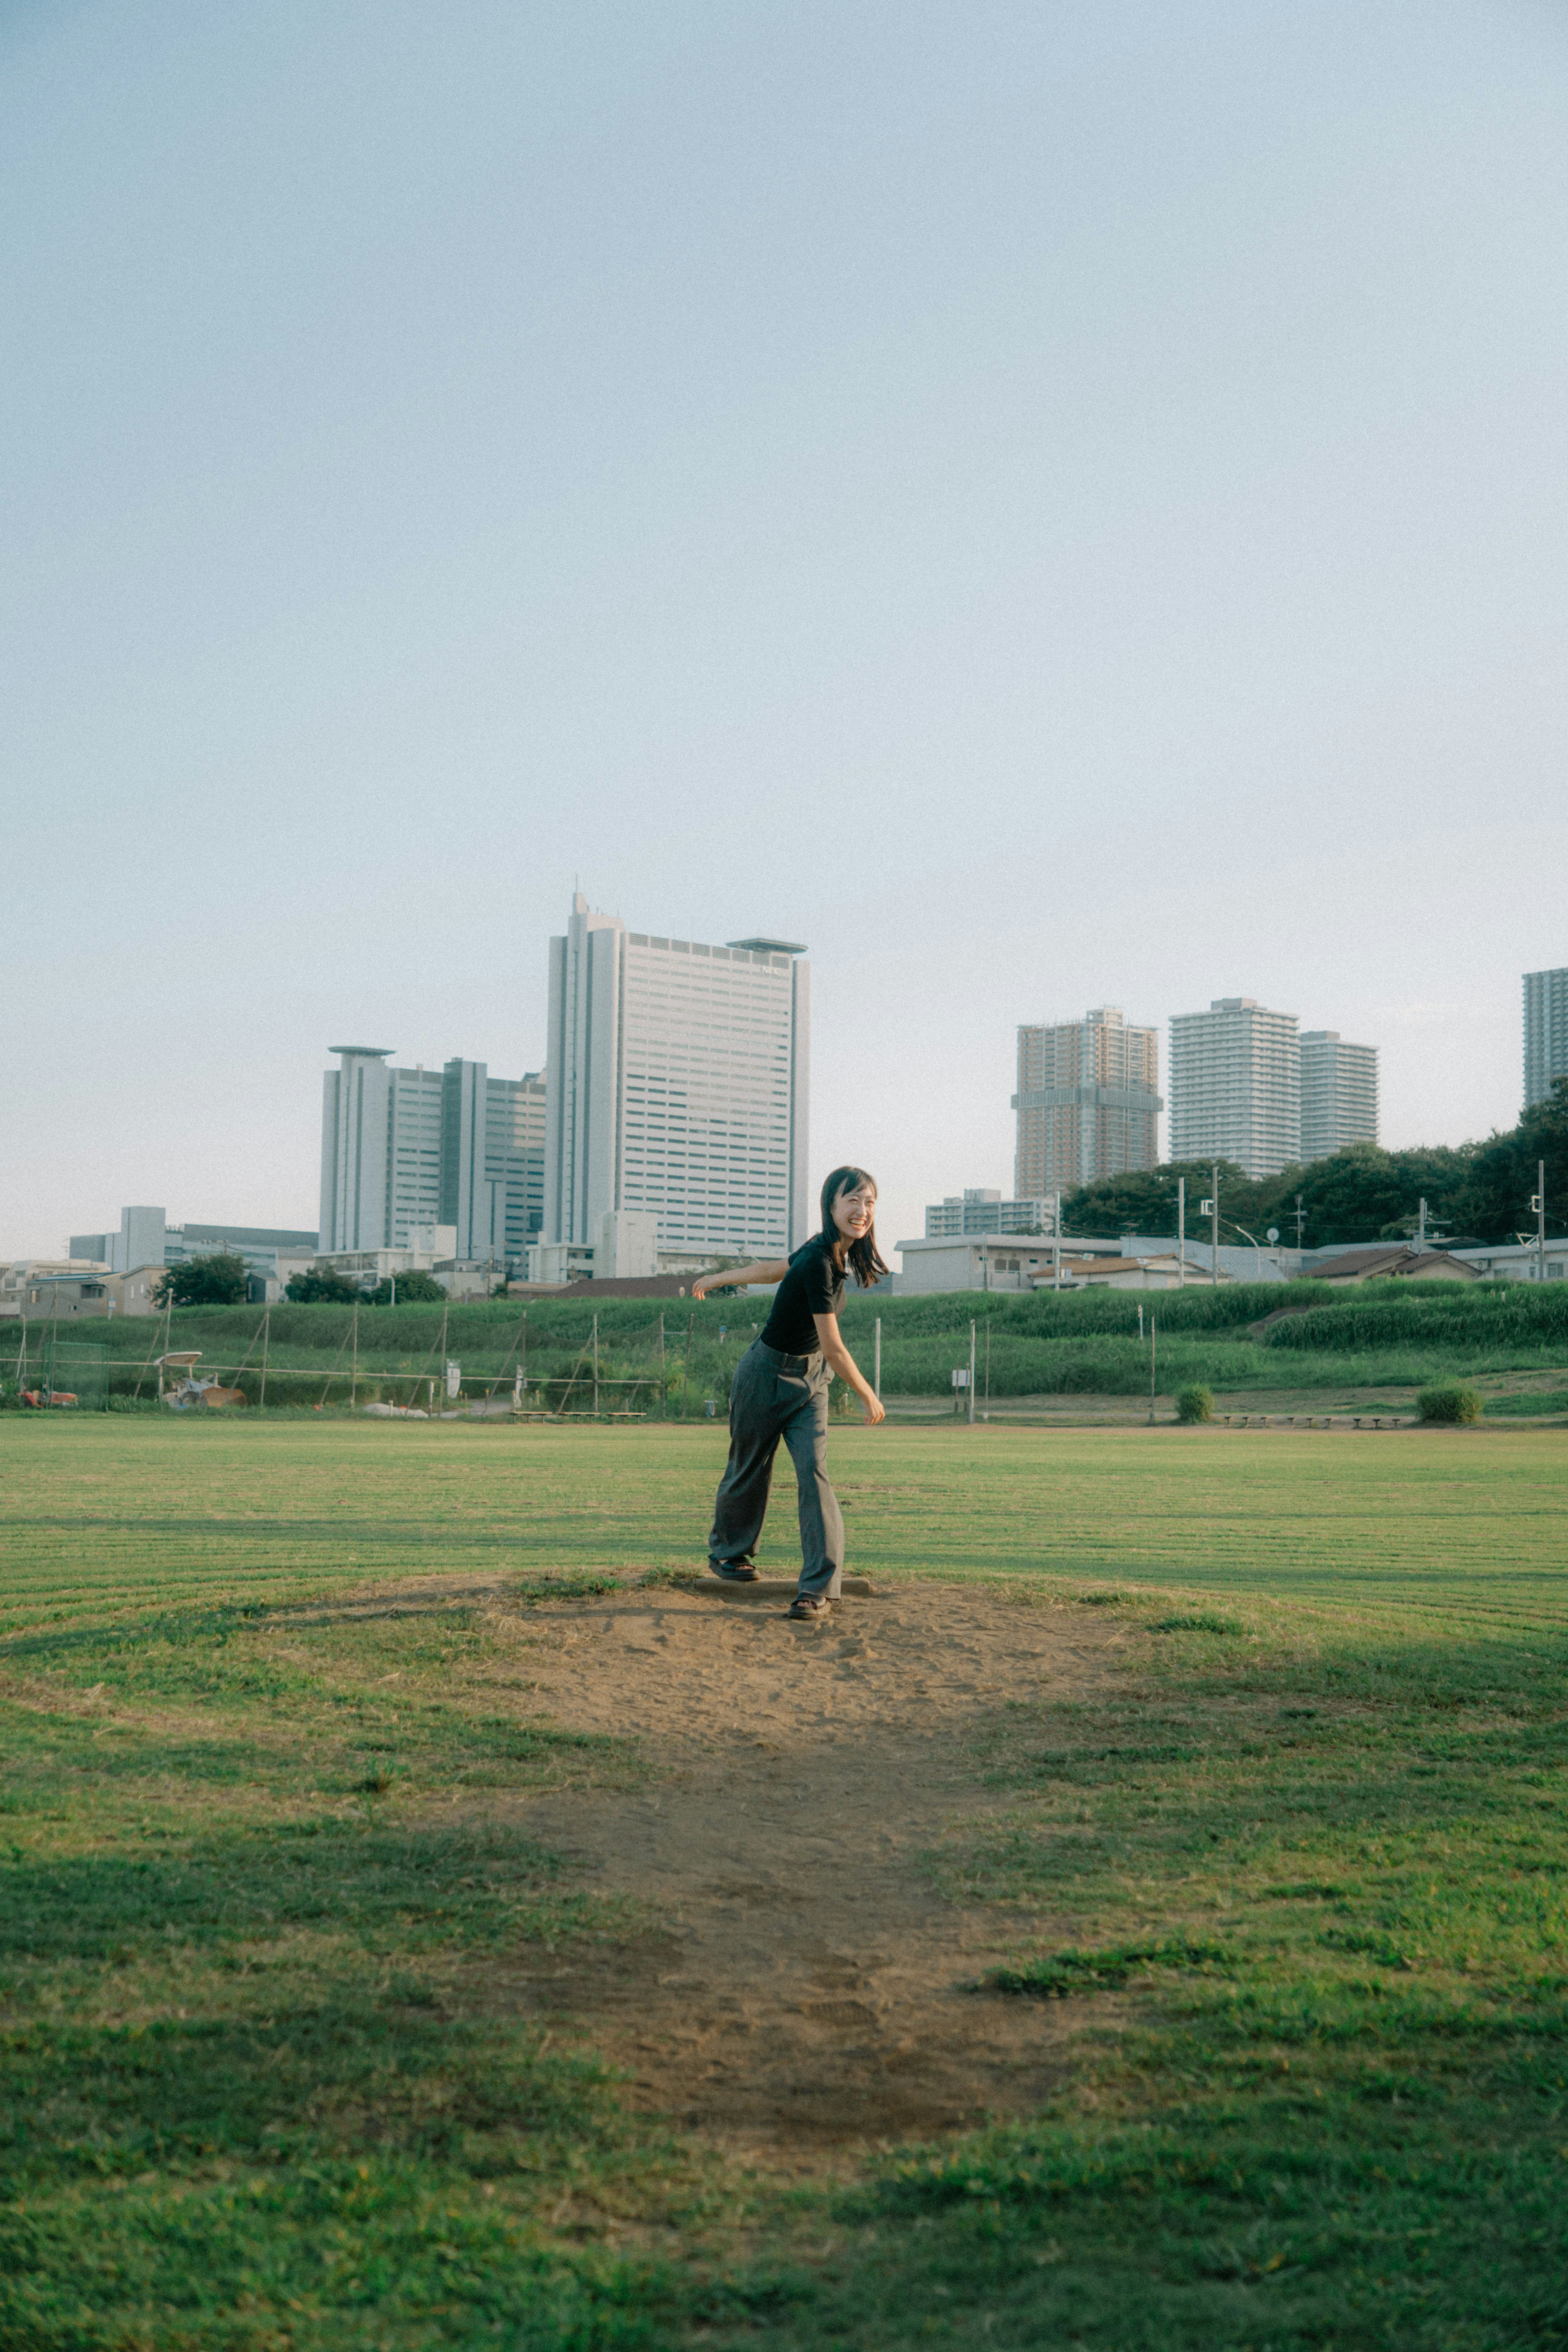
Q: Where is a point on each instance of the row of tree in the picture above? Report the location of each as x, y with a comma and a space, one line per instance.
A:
224, 1280
1473, 1191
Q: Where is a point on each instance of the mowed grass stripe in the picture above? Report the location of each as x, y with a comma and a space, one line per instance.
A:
101, 1515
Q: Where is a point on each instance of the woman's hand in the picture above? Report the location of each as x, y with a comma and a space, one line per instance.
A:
875, 1411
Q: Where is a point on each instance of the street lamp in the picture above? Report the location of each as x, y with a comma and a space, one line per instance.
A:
1273, 1236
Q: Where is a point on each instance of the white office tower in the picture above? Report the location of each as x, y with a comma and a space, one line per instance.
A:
1088, 1102
1545, 1031
403, 1149
678, 1078
1236, 1085
1338, 1093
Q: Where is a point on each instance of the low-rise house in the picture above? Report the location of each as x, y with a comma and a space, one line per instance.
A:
1518, 1261
1394, 1262
1162, 1272
62, 1286
136, 1293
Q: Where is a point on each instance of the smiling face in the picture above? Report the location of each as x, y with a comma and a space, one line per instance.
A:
854, 1213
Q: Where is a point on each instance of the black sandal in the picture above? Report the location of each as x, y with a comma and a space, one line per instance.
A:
732, 1571
807, 1607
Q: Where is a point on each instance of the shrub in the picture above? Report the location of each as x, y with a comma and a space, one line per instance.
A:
1449, 1404
1195, 1403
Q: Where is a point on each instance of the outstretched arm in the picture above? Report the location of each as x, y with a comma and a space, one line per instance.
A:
831, 1340
773, 1269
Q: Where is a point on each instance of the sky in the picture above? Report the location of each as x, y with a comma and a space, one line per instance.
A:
1050, 506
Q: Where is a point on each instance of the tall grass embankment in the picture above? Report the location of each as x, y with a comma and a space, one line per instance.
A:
675, 1357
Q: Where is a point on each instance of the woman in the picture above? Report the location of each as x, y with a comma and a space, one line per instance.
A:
780, 1391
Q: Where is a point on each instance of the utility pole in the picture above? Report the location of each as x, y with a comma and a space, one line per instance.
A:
1210, 1209
1181, 1233
1300, 1225
596, 1364
1539, 1205
1056, 1245
355, 1370
971, 1375
266, 1327
876, 1359
1154, 1327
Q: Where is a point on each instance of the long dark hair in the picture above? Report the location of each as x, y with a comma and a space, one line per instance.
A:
863, 1256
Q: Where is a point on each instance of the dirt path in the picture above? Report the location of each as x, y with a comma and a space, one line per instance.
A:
810, 1988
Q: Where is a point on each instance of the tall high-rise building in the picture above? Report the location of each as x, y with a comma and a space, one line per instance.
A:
404, 1149
1545, 1031
1338, 1093
1236, 1085
678, 1078
1088, 1102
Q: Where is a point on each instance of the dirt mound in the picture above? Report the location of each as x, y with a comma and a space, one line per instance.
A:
806, 1987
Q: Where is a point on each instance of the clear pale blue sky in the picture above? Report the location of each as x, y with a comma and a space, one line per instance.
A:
1050, 505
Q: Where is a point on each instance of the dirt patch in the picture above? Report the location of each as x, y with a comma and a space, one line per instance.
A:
806, 1987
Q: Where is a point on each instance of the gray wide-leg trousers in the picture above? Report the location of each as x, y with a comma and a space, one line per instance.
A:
771, 1397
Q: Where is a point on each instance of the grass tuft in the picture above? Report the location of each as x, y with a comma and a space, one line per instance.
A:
1053, 1975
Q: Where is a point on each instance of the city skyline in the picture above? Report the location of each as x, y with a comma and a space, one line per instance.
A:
720, 460
429, 1121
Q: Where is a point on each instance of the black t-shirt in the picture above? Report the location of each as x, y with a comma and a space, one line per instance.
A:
813, 1285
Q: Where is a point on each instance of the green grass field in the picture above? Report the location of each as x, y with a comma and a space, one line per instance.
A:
1307, 1870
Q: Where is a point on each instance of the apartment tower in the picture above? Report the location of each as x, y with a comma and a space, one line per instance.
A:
402, 1149
678, 1076
1545, 1031
1338, 1093
1236, 1085
1088, 1103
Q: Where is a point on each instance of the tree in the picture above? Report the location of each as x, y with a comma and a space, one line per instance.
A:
1144, 1200
222, 1280
1502, 1171
322, 1287
415, 1289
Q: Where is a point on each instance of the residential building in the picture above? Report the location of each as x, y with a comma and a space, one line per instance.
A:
1545, 1031
987, 1213
403, 1149
1088, 1102
1338, 1093
1009, 1262
678, 1076
49, 1288
139, 1291
1518, 1261
147, 1239
1236, 1085
1394, 1263
1163, 1271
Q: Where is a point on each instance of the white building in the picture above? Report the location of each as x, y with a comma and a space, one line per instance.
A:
1518, 1261
1338, 1093
987, 1213
402, 1149
678, 1076
1236, 1085
146, 1238
1545, 1031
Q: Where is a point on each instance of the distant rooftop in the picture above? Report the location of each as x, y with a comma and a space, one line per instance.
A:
769, 946
380, 1051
